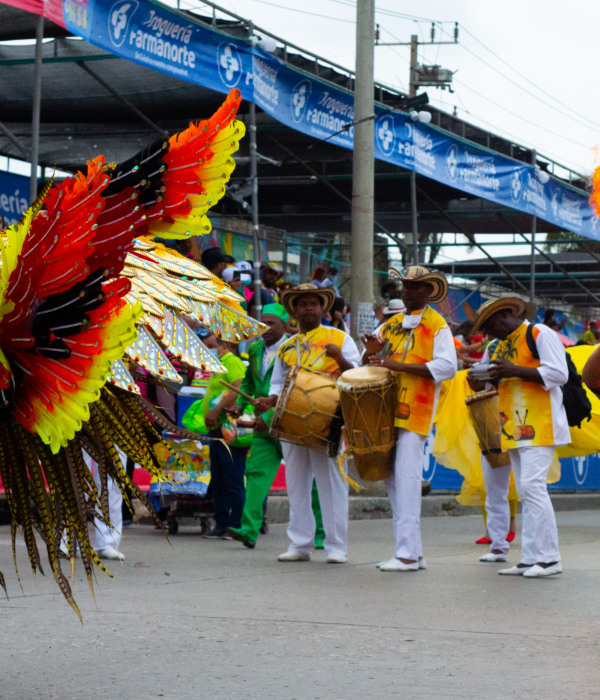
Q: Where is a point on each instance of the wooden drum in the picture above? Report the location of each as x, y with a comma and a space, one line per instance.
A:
369, 398
306, 411
484, 407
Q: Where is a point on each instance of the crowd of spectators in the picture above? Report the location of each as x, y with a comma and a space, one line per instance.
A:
239, 275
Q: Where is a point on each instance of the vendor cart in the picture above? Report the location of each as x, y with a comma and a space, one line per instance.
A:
187, 493
186, 505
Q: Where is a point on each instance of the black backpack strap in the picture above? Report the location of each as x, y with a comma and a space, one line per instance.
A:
531, 342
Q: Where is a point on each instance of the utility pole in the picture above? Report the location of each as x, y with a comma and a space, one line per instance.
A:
533, 232
414, 211
37, 104
363, 162
421, 76
414, 48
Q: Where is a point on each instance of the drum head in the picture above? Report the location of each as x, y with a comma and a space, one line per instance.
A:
366, 375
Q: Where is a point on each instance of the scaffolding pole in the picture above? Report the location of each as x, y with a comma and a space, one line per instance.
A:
37, 105
256, 238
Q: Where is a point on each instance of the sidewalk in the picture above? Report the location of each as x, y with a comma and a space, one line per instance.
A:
212, 619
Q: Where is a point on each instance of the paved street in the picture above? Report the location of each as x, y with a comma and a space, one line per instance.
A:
211, 620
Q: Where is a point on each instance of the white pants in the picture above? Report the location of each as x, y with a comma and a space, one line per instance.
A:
539, 536
106, 536
301, 464
404, 491
496, 503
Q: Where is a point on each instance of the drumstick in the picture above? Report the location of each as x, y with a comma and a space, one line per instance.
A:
406, 346
237, 391
317, 357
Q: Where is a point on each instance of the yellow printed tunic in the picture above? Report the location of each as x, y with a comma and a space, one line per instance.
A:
311, 344
532, 414
427, 340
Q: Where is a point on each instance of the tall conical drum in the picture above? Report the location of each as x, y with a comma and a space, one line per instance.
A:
369, 398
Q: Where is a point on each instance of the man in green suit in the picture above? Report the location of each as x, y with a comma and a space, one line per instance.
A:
265, 453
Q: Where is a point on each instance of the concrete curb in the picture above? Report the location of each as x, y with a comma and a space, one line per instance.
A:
433, 506
378, 507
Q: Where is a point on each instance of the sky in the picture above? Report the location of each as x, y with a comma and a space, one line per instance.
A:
525, 69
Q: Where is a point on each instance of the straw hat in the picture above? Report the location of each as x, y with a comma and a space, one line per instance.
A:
485, 311
416, 273
289, 296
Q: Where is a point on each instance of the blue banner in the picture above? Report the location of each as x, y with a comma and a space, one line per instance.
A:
577, 473
14, 197
161, 38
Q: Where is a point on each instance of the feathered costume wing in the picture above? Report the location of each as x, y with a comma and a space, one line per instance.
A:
67, 311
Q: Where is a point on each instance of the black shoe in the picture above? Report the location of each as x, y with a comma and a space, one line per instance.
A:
216, 534
264, 528
425, 488
250, 545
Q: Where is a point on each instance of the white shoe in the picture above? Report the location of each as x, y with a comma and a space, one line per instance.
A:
110, 553
387, 561
397, 565
538, 571
515, 570
490, 556
336, 558
293, 555
422, 563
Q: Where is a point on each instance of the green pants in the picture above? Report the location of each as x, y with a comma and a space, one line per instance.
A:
261, 469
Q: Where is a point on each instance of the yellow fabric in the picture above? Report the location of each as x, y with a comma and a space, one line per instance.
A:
416, 395
311, 344
584, 440
525, 407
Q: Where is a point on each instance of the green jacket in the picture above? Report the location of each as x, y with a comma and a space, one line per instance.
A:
252, 383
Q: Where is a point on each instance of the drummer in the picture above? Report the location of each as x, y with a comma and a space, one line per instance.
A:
421, 348
535, 423
332, 351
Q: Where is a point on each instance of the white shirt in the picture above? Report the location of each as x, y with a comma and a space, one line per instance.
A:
269, 355
554, 373
328, 282
349, 351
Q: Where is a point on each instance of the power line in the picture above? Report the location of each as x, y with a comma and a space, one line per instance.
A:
566, 138
514, 114
524, 89
525, 78
400, 15
513, 137
305, 12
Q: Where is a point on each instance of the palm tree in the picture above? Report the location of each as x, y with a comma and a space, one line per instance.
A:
567, 242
